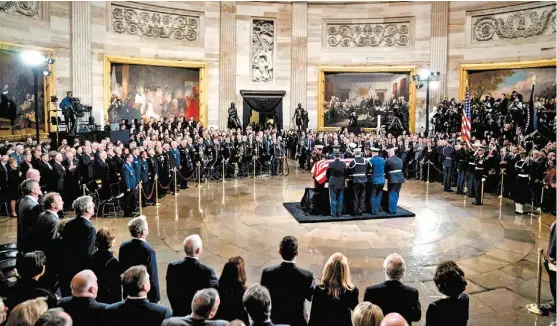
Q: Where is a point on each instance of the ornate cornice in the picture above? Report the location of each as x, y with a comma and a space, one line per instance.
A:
155, 22
30, 9
365, 33
518, 24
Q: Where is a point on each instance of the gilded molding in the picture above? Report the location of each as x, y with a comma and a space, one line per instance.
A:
263, 50
521, 23
30, 9
202, 66
367, 34
401, 69
152, 22
465, 68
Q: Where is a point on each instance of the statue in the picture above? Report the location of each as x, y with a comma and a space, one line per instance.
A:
353, 120
299, 117
305, 119
233, 120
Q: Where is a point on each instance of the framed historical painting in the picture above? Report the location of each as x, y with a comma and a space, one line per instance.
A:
379, 97
17, 100
137, 88
496, 79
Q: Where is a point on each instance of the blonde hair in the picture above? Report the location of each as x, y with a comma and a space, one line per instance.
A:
367, 314
27, 313
336, 275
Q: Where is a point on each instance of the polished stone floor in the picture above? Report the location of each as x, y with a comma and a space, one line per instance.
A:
496, 249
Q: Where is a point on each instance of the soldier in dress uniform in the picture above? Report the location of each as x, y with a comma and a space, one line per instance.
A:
174, 159
153, 169
358, 168
377, 180
448, 165
478, 174
130, 183
461, 160
144, 177
521, 191
136, 163
186, 165
336, 173
393, 172
164, 170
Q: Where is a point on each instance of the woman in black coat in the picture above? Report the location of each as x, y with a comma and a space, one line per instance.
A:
107, 268
453, 309
14, 180
336, 297
232, 285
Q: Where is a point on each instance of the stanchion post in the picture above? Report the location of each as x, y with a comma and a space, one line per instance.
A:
223, 171
157, 190
254, 167
535, 307
502, 180
140, 189
541, 198
84, 187
428, 164
482, 200
175, 183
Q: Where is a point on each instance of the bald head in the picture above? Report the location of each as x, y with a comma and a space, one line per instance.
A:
393, 319
84, 284
33, 174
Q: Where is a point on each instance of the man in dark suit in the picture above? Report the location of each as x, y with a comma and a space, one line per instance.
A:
257, 302
392, 295
187, 276
136, 309
58, 174
82, 306
395, 178
549, 264
43, 232
138, 252
335, 176
29, 210
448, 166
78, 242
289, 286
205, 304
3, 175
48, 181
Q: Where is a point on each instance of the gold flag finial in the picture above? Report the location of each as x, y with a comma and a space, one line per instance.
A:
534, 80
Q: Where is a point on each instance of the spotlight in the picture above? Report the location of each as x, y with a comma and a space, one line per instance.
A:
50, 61
424, 73
420, 85
32, 58
54, 99
46, 72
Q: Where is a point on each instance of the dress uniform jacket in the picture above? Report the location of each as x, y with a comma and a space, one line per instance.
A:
393, 170
377, 170
359, 168
335, 174
129, 176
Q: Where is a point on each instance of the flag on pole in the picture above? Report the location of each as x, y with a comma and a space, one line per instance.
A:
466, 125
531, 116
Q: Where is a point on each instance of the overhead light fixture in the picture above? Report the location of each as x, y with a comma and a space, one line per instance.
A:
46, 72
32, 58
50, 60
424, 73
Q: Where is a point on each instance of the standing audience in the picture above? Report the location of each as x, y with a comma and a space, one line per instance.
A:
367, 314
82, 306
27, 313
187, 276
137, 251
392, 295
336, 296
14, 180
55, 317
29, 210
232, 286
289, 286
107, 268
204, 307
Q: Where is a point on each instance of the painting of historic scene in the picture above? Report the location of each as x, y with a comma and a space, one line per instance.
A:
17, 99
145, 91
497, 82
368, 98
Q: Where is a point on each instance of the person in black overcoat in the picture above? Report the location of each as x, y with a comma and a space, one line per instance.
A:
14, 180
71, 180
28, 211
107, 268
232, 286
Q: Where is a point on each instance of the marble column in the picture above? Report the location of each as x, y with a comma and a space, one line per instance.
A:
439, 48
81, 56
227, 63
298, 82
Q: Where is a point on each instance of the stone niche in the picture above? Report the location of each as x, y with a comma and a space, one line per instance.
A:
522, 23
262, 50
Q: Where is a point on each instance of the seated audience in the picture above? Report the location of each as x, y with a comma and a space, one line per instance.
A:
204, 307
257, 301
78, 242
367, 314
82, 306
336, 296
187, 276
393, 319
30, 268
137, 251
289, 286
453, 309
27, 313
136, 309
3, 312
29, 210
55, 317
107, 268
392, 295
232, 285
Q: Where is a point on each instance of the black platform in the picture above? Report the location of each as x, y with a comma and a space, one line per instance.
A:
295, 209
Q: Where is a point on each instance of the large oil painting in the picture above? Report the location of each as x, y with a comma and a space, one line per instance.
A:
376, 98
17, 99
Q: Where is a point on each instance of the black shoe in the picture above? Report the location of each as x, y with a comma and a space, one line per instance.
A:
518, 213
548, 306
450, 190
476, 203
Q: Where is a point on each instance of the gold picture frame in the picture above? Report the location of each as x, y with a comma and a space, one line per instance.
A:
202, 66
465, 68
411, 70
49, 90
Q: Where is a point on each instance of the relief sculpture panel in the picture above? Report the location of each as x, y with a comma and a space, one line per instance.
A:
263, 48
362, 35
519, 24
154, 23
23, 8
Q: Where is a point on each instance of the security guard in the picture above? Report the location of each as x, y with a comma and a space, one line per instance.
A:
130, 183
336, 178
478, 174
393, 171
448, 156
377, 180
358, 170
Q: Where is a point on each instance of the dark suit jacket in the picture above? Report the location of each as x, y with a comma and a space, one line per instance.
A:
231, 305
269, 323
47, 176
78, 239
137, 252
59, 173
394, 164
189, 321
28, 212
136, 312
185, 277
335, 174
84, 311
326, 310
43, 232
393, 296
448, 311
289, 286
27, 289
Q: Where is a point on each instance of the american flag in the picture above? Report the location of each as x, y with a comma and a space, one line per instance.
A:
466, 119
319, 169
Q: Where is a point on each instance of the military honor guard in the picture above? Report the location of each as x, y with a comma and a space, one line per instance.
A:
359, 168
478, 174
130, 181
395, 178
377, 180
336, 173
448, 166
521, 191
